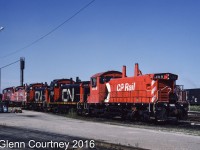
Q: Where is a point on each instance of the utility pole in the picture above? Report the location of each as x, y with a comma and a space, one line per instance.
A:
22, 66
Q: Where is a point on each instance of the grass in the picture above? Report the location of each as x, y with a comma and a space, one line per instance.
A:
195, 108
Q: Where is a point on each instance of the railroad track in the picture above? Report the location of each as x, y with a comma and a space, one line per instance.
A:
194, 116
194, 113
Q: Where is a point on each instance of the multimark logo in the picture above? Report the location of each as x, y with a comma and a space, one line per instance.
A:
126, 87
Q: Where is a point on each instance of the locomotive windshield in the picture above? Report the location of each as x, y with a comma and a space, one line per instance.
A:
18, 88
105, 79
4, 91
7, 90
52, 85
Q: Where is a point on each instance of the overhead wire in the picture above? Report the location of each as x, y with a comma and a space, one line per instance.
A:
9, 64
54, 29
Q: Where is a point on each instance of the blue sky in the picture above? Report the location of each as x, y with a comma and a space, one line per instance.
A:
161, 35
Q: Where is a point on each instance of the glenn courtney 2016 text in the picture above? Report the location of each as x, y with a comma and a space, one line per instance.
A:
47, 144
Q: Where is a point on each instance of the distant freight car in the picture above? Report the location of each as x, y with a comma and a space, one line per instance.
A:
193, 96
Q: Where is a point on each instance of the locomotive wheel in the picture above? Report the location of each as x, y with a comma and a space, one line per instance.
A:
182, 114
131, 116
161, 115
145, 116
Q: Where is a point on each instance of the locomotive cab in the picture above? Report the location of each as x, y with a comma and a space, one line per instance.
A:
8, 94
98, 86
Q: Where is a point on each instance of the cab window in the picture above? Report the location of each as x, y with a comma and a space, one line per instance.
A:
105, 79
94, 82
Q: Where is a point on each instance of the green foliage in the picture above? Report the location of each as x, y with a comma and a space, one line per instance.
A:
194, 108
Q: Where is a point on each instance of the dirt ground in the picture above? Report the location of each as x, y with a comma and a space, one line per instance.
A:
35, 139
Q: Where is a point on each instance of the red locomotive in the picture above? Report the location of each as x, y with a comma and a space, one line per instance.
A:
141, 96
66, 94
42, 96
19, 95
8, 94
15, 96
35, 95
56, 92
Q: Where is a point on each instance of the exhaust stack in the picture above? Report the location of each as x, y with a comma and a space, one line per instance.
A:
124, 72
137, 71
